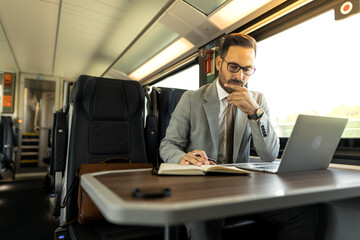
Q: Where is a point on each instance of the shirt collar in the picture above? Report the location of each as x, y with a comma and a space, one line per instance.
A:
221, 92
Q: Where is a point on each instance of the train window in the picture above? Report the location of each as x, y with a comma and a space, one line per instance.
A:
311, 68
186, 79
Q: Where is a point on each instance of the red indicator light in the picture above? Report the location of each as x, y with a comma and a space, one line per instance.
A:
346, 8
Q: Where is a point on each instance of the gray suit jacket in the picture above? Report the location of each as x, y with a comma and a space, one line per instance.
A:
194, 125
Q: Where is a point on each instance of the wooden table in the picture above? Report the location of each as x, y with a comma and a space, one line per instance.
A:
208, 197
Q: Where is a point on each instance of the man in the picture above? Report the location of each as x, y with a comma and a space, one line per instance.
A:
199, 130
195, 126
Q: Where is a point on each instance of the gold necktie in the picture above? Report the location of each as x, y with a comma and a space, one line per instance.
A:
230, 114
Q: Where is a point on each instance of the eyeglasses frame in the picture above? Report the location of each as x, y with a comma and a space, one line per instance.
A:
240, 68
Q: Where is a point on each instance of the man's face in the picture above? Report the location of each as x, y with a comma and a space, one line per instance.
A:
244, 57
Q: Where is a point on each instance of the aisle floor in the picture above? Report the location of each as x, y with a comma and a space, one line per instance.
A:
24, 211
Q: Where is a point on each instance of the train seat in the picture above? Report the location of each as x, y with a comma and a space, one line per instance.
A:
161, 103
59, 139
105, 122
7, 145
9, 141
57, 161
2, 163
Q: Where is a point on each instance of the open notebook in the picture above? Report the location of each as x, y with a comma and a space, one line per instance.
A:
310, 147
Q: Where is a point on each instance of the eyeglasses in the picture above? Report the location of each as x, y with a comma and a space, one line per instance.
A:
234, 68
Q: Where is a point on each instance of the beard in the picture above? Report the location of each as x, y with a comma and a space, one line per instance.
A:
222, 81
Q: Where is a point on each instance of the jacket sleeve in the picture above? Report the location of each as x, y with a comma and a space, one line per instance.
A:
172, 147
263, 134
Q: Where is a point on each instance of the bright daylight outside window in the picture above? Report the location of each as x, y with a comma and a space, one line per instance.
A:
312, 68
186, 79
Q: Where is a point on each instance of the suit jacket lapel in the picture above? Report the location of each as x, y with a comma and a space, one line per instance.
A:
212, 109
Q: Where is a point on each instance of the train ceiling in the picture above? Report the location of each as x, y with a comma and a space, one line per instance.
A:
113, 38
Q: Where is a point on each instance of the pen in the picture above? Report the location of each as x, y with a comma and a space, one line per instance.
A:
210, 159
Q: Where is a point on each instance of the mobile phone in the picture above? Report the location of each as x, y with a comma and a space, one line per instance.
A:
151, 192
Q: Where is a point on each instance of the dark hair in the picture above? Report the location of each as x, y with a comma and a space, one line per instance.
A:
237, 39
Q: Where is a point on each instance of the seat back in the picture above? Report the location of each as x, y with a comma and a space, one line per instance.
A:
162, 102
105, 122
2, 164
58, 153
60, 134
8, 139
167, 100
58, 143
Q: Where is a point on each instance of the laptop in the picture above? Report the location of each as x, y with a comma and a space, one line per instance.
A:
310, 147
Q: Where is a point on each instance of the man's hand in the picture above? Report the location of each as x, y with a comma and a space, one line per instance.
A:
196, 157
241, 98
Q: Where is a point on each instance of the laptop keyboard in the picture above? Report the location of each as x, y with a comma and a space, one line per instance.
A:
273, 167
